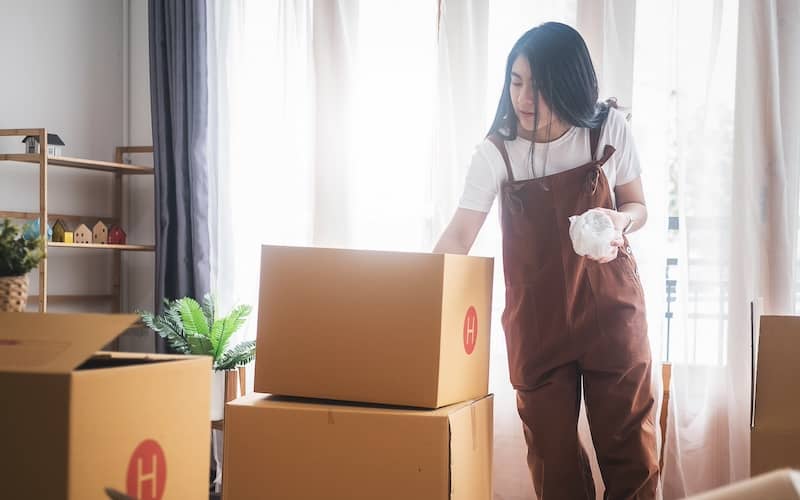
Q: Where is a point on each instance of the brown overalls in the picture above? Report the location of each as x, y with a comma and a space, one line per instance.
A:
569, 320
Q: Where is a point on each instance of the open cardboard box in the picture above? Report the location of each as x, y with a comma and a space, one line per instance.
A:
75, 422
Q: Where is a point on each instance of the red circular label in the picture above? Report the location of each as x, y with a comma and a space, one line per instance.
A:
470, 330
147, 472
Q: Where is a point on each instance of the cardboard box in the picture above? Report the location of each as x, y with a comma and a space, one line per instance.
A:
289, 449
777, 485
775, 433
73, 424
393, 328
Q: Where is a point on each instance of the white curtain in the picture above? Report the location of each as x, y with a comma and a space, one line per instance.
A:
686, 74
347, 123
738, 156
320, 131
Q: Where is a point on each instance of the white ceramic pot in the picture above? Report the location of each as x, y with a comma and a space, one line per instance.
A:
217, 395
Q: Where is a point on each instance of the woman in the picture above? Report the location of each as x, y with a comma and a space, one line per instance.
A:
571, 322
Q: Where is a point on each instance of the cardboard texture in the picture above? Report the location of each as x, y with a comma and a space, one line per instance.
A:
777, 485
775, 436
289, 449
407, 329
75, 422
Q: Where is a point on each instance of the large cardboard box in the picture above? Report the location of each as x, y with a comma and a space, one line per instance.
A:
776, 485
288, 449
74, 423
393, 328
775, 433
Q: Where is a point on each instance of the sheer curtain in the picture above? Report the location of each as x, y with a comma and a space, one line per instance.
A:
728, 69
321, 130
699, 441
262, 138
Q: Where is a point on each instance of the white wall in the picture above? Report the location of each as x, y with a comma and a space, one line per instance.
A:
139, 267
63, 67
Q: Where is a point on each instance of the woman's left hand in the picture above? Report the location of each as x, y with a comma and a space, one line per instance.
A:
620, 220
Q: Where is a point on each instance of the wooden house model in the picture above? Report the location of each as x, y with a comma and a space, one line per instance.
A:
83, 234
100, 233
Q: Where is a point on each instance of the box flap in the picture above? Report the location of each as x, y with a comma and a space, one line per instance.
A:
55, 343
776, 406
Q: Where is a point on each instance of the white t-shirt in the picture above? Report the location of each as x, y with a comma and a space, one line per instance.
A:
487, 171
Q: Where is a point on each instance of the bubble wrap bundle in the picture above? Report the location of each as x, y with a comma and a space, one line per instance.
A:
592, 233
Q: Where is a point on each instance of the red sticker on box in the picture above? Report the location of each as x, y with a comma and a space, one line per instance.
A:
470, 330
147, 471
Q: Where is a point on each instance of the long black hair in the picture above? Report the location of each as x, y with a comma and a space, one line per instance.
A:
563, 74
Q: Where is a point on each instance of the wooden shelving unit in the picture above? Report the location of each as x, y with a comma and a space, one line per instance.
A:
118, 168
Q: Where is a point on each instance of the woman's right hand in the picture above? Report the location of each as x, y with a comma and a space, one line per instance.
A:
615, 245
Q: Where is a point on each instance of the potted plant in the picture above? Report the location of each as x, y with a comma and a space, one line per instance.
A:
18, 256
191, 328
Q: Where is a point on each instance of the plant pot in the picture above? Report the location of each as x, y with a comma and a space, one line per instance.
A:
13, 293
225, 386
217, 395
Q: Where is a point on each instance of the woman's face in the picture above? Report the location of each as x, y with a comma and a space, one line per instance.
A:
522, 96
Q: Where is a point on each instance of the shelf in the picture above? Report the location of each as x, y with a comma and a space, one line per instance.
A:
95, 246
66, 299
63, 161
10, 132
11, 214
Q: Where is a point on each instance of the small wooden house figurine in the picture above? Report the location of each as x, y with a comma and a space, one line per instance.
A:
69, 237
54, 144
59, 228
100, 233
83, 235
116, 236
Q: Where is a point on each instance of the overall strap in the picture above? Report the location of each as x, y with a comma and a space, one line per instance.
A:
594, 140
594, 134
501, 146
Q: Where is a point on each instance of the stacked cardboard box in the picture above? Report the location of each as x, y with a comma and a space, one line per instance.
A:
381, 362
77, 424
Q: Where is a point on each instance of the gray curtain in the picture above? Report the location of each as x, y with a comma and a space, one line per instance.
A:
179, 106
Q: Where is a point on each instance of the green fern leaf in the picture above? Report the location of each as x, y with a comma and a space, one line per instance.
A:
194, 321
231, 325
167, 329
241, 355
200, 345
216, 335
